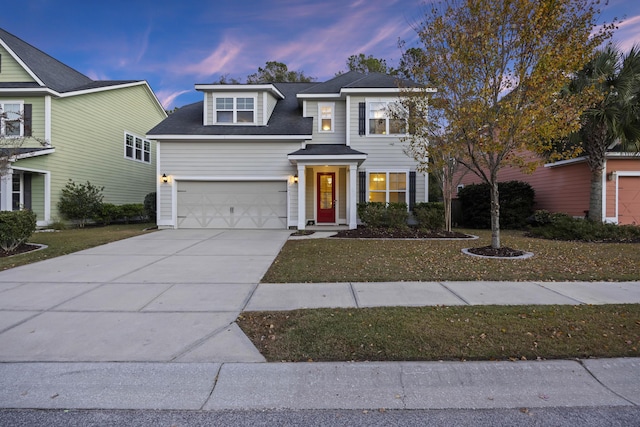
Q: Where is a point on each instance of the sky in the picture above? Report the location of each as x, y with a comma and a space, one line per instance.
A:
175, 44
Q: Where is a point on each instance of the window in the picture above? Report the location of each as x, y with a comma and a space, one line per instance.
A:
136, 148
235, 110
380, 123
388, 187
325, 113
11, 123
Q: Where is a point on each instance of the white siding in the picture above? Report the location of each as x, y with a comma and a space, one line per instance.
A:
338, 136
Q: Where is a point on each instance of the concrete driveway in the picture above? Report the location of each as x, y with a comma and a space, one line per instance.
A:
172, 295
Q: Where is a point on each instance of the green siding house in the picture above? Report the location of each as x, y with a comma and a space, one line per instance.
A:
69, 126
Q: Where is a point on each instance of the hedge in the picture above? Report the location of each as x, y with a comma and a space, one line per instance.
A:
516, 200
15, 228
381, 215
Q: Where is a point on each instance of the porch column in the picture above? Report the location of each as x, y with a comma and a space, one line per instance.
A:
352, 204
6, 191
302, 211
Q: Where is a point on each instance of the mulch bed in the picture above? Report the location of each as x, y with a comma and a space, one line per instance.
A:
23, 248
405, 233
499, 252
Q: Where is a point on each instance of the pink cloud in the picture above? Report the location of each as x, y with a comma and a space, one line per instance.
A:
218, 61
628, 33
167, 97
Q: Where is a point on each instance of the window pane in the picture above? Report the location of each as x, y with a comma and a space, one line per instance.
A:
377, 110
397, 181
397, 197
326, 124
378, 126
244, 103
224, 103
147, 157
129, 140
377, 197
397, 126
224, 116
377, 182
245, 116
129, 151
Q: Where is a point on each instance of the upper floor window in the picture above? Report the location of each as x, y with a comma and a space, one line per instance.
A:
235, 110
326, 117
11, 123
381, 121
136, 148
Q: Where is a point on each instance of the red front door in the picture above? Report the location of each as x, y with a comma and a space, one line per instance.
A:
326, 197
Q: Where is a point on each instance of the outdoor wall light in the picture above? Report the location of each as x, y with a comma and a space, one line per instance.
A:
611, 176
165, 179
295, 178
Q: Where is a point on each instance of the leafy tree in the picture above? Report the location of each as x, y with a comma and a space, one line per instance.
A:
277, 72
80, 202
499, 66
369, 64
226, 79
616, 117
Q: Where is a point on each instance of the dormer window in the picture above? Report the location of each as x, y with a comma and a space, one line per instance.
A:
326, 113
235, 110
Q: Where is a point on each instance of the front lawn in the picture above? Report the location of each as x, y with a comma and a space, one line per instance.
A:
368, 260
67, 241
446, 333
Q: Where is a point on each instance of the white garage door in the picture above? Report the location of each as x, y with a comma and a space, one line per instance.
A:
260, 204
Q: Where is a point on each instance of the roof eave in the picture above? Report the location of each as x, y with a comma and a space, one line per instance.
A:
240, 88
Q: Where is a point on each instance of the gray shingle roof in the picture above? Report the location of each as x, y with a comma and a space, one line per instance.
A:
53, 73
286, 119
355, 80
327, 150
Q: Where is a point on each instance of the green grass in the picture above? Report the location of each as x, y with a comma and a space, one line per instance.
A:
446, 333
67, 241
350, 260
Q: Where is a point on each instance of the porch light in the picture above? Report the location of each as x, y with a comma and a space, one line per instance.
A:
295, 178
165, 179
611, 176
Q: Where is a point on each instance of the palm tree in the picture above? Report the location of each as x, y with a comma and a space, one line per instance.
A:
615, 119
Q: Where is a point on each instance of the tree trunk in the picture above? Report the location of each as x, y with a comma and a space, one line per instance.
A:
447, 213
595, 196
495, 215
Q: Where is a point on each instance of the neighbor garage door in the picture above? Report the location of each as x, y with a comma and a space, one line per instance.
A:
629, 200
260, 204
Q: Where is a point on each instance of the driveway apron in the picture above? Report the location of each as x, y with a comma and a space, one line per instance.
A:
171, 295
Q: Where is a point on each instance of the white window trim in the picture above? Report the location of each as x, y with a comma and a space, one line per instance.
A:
144, 141
234, 120
387, 172
2, 124
386, 101
332, 105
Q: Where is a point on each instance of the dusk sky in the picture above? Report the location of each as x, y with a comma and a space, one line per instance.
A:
176, 44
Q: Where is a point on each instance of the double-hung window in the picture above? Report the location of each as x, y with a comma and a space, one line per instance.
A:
381, 121
326, 114
388, 187
235, 110
136, 148
11, 123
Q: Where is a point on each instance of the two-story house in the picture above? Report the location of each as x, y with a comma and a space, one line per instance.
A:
58, 124
284, 155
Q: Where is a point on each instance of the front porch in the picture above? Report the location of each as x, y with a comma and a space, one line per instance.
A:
327, 186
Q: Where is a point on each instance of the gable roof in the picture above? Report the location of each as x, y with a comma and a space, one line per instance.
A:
286, 120
47, 71
355, 80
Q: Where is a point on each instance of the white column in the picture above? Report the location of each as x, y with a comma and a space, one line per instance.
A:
6, 191
302, 211
352, 206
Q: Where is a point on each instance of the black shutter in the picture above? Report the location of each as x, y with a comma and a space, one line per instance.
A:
362, 111
27, 114
362, 187
412, 190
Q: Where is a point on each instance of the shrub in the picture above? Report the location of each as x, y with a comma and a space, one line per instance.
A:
429, 215
131, 212
108, 213
542, 217
564, 227
516, 204
379, 215
15, 228
150, 206
80, 202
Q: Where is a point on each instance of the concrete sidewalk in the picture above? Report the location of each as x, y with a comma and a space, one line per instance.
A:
149, 322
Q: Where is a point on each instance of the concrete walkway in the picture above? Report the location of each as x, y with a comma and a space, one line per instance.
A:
148, 323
